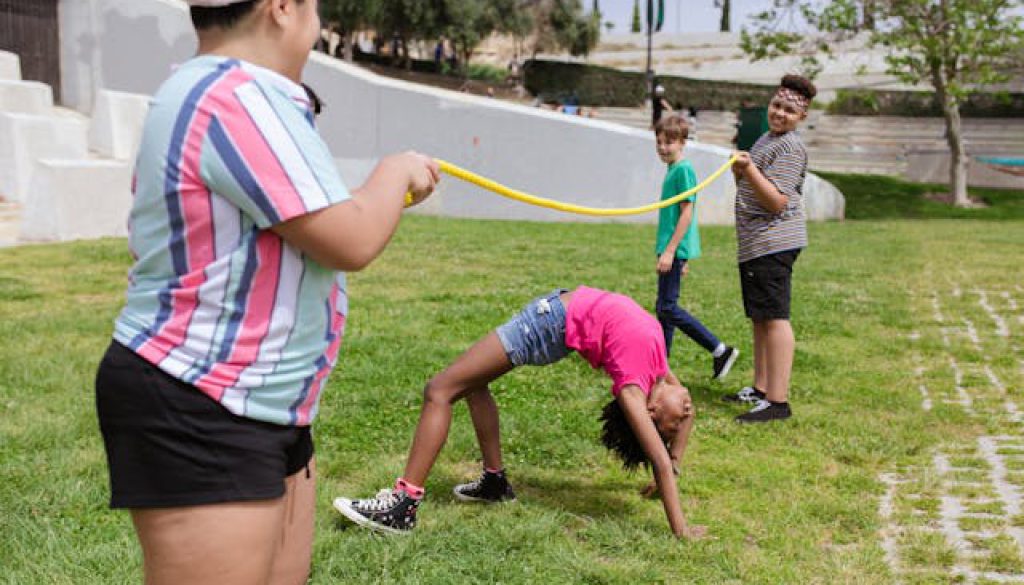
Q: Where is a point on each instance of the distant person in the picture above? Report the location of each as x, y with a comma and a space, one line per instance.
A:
677, 243
771, 231
648, 421
571, 105
439, 53
691, 120
236, 302
659, 106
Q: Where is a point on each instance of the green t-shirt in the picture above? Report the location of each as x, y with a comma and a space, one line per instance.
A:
680, 177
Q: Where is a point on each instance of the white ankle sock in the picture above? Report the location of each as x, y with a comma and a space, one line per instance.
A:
718, 350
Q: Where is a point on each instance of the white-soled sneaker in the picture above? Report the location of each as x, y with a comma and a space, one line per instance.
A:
724, 362
390, 511
747, 395
490, 488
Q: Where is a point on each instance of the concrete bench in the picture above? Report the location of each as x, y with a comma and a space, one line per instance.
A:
10, 67
25, 138
26, 97
116, 126
77, 199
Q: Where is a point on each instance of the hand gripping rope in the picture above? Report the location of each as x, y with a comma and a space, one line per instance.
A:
485, 183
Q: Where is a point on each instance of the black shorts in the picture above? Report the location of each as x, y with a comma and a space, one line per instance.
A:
767, 285
168, 444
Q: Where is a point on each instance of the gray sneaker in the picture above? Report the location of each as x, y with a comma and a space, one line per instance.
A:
390, 511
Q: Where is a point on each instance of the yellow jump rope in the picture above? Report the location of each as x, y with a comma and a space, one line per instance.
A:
485, 183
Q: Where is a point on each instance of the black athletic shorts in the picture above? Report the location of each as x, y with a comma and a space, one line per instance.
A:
168, 444
767, 285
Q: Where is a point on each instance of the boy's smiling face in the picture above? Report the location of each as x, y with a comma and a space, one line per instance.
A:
784, 116
669, 151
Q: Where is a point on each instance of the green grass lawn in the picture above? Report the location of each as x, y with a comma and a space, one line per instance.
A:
795, 502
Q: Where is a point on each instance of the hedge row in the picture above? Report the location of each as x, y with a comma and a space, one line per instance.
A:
594, 85
604, 86
859, 102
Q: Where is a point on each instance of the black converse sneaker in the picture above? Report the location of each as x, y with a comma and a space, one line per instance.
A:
491, 488
765, 411
748, 394
392, 511
724, 362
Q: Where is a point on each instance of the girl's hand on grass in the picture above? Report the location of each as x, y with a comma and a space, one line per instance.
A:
695, 532
650, 490
686, 269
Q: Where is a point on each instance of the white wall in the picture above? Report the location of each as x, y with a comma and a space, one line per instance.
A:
131, 45
124, 45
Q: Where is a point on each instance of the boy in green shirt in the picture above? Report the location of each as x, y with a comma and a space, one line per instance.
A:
678, 242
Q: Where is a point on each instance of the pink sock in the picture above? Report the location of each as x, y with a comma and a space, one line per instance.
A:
493, 471
416, 492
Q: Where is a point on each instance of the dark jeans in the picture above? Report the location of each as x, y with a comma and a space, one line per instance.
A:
671, 315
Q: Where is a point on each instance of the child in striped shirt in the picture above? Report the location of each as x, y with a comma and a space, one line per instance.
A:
771, 230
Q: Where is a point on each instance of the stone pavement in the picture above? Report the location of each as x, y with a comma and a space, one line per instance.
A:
959, 516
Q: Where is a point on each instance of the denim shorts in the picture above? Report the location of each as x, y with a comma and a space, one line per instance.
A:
536, 336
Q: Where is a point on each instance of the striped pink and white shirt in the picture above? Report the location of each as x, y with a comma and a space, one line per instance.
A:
215, 298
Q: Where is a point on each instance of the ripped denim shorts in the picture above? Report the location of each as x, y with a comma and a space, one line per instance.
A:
536, 335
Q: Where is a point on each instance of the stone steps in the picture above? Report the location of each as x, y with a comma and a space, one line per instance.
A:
64, 176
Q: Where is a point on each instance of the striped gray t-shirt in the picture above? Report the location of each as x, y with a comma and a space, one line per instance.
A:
782, 159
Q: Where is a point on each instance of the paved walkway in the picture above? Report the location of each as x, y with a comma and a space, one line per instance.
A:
960, 516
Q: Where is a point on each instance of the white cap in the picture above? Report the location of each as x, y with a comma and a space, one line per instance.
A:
212, 3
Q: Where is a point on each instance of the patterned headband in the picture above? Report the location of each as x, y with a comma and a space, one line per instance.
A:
796, 98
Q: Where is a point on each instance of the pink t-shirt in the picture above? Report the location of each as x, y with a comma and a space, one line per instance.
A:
617, 335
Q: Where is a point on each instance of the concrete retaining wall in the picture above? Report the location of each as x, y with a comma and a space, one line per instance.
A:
933, 167
131, 45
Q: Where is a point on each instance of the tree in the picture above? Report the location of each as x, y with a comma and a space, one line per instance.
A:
351, 16
407, 20
562, 25
467, 23
724, 25
636, 26
956, 46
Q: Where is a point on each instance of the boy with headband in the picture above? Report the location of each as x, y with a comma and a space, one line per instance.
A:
771, 230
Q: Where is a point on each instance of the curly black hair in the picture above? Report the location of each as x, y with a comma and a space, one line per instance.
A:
618, 436
799, 84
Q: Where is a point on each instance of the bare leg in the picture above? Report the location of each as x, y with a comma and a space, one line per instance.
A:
258, 542
760, 355
484, 413
482, 363
295, 548
779, 349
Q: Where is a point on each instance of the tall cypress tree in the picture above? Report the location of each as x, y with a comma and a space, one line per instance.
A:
636, 27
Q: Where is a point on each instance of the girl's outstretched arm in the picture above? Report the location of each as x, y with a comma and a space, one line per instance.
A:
634, 406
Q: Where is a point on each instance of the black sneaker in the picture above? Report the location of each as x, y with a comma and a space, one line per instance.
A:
766, 411
724, 362
748, 394
391, 511
491, 488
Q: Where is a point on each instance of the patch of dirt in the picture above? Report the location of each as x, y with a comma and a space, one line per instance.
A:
947, 198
